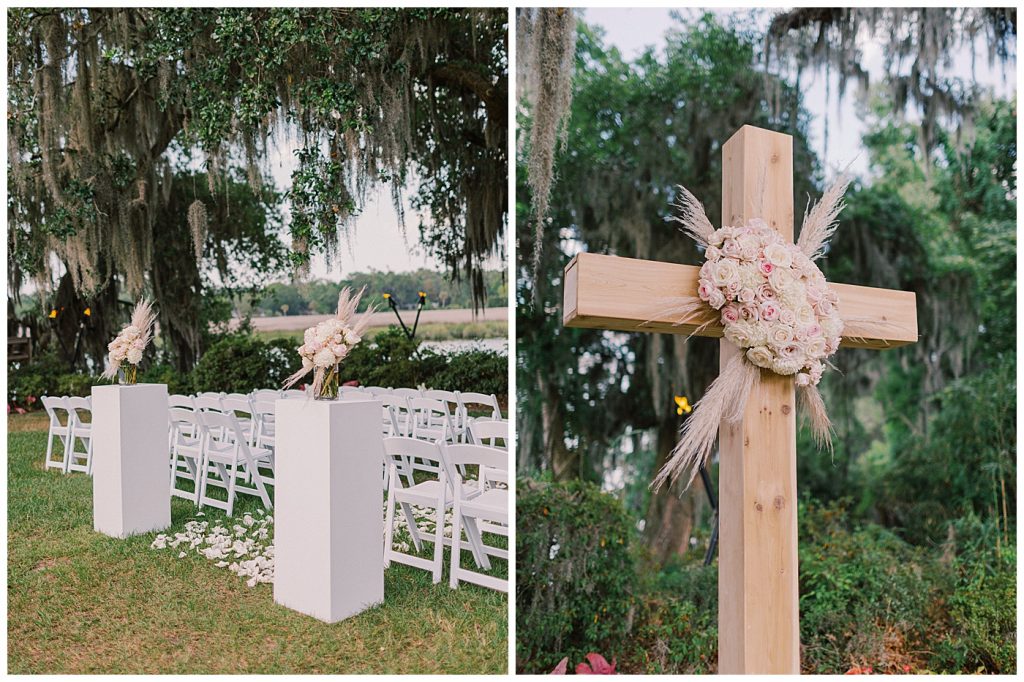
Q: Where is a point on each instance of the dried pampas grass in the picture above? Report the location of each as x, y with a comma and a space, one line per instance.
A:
724, 400
692, 217
822, 219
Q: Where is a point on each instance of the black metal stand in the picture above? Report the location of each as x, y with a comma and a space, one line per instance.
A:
705, 478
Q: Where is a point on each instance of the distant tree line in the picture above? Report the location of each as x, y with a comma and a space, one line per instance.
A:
321, 296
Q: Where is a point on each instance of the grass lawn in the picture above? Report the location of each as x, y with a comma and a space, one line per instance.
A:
80, 602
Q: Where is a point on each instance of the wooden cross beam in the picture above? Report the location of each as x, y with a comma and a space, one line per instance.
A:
758, 599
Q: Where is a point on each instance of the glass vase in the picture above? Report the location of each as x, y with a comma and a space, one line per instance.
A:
329, 387
127, 374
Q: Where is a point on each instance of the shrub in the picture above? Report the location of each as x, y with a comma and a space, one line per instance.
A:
392, 360
982, 616
45, 375
241, 363
574, 573
866, 596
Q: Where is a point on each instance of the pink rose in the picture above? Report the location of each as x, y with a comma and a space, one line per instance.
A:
730, 314
731, 248
746, 295
769, 311
749, 313
734, 287
765, 292
713, 253
704, 289
765, 267
717, 299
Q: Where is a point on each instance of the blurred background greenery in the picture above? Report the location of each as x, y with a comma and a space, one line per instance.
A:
907, 531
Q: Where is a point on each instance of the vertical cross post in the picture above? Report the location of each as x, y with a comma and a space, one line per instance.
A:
758, 599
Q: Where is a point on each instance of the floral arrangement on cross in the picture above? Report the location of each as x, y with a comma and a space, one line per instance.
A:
328, 343
125, 351
774, 303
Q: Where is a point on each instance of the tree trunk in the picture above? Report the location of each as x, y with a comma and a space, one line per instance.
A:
565, 463
671, 516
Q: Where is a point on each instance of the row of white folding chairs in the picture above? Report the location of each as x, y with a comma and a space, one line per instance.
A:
255, 412
205, 444
476, 506
69, 428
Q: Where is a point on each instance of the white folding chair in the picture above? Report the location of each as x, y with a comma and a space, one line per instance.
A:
265, 394
470, 512
453, 405
54, 406
407, 392
432, 493
187, 440
206, 402
210, 394
431, 419
377, 391
242, 409
81, 433
184, 402
397, 415
355, 394
293, 393
263, 412
478, 402
490, 432
225, 449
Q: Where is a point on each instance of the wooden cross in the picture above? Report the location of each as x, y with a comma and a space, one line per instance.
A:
758, 598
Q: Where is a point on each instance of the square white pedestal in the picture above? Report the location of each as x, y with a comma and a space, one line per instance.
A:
328, 507
131, 465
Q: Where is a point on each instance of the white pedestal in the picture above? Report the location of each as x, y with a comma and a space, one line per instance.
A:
131, 465
328, 507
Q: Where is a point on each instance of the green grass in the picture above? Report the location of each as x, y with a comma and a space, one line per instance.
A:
80, 602
433, 331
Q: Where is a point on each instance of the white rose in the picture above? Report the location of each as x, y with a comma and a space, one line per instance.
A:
713, 253
780, 335
739, 333
725, 271
760, 356
816, 347
134, 356
803, 379
778, 255
716, 299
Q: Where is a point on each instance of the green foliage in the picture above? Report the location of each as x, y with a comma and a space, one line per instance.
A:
392, 360
865, 594
45, 375
675, 629
240, 363
575, 572
983, 618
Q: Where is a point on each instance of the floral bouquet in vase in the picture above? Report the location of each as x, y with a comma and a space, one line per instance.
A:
328, 343
125, 351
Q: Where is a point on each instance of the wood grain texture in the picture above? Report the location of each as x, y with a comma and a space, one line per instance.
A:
758, 587
627, 294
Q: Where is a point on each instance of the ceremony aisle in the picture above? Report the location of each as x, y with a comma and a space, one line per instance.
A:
80, 602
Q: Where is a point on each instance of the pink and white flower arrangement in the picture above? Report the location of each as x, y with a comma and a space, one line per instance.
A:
774, 304
329, 342
125, 351
773, 300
